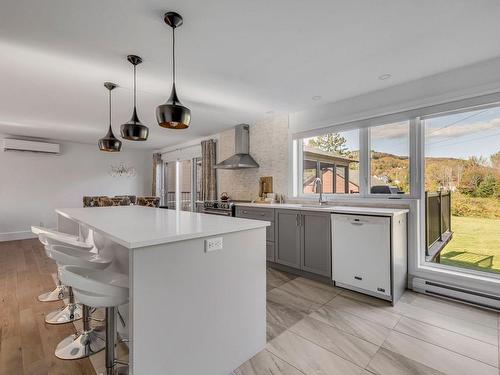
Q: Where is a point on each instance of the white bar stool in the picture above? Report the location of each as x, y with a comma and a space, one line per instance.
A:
59, 292
88, 341
98, 288
72, 311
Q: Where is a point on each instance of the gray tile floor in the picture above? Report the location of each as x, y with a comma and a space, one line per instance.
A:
313, 328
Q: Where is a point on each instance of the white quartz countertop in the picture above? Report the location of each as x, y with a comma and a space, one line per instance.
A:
137, 226
360, 210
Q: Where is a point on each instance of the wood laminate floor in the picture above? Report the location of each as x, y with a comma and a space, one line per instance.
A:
312, 328
26, 342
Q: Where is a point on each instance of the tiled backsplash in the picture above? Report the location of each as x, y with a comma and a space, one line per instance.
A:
269, 147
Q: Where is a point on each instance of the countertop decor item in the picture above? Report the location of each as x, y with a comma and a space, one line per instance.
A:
266, 194
134, 130
122, 171
110, 143
172, 114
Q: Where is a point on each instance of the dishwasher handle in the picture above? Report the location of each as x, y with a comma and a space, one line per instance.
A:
356, 222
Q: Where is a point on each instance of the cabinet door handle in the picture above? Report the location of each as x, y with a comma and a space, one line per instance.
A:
297, 220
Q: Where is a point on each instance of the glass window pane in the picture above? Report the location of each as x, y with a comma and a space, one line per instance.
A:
309, 175
462, 186
198, 179
185, 174
327, 171
334, 157
340, 185
390, 158
170, 185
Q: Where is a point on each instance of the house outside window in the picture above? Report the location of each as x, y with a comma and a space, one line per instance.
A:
333, 157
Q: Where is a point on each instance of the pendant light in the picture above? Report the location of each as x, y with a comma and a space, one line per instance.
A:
172, 114
110, 143
134, 130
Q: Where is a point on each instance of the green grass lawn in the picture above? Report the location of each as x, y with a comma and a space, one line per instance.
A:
475, 244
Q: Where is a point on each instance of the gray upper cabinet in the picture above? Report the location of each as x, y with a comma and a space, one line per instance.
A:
288, 246
316, 233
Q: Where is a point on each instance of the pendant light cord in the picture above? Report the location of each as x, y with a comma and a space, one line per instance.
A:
109, 108
173, 55
134, 88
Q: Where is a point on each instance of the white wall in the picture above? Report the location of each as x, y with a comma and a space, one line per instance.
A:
33, 185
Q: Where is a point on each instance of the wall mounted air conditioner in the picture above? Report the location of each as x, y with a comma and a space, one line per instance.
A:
469, 296
31, 146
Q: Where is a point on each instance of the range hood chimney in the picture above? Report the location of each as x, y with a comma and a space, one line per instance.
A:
241, 158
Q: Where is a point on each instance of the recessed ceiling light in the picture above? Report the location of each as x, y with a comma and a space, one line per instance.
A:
316, 97
383, 77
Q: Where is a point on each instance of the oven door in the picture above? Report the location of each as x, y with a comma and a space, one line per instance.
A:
214, 211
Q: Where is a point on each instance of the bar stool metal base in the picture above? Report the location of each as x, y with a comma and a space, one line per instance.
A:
80, 346
70, 313
112, 364
58, 294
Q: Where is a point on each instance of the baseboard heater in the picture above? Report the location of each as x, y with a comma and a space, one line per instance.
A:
468, 296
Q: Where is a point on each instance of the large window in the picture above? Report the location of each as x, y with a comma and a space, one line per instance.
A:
442, 160
390, 158
334, 158
462, 185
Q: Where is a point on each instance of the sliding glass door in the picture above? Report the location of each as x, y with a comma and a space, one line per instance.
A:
182, 184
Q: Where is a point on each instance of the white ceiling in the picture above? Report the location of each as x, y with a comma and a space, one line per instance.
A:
237, 60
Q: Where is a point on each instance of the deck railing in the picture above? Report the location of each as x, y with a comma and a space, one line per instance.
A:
437, 221
185, 200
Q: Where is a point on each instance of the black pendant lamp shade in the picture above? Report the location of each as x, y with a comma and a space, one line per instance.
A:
110, 143
172, 114
134, 130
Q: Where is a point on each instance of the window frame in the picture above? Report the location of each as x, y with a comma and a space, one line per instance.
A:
417, 264
364, 164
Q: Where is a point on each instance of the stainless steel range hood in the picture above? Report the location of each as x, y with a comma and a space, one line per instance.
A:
241, 158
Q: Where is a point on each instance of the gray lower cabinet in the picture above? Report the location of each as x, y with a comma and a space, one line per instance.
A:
267, 214
303, 240
316, 239
270, 251
288, 238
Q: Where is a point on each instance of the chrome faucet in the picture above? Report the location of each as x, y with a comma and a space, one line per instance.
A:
318, 183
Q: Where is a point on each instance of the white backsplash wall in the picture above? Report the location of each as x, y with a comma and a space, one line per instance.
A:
269, 148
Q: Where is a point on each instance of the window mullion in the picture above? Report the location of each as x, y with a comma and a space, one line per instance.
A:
416, 158
364, 161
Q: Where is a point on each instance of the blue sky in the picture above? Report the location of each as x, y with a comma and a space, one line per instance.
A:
475, 133
461, 135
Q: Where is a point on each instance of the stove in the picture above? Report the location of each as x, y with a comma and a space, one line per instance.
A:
224, 208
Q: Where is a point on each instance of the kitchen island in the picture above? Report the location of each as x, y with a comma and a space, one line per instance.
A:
196, 306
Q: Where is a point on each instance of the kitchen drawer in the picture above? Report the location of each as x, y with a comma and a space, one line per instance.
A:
255, 213
270, 251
